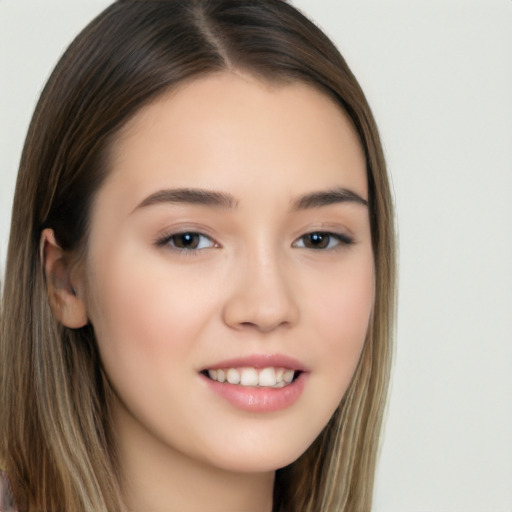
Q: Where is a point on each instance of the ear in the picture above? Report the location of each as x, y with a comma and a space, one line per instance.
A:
65, 301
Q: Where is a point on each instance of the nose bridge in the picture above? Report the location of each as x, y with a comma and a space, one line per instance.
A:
261, 295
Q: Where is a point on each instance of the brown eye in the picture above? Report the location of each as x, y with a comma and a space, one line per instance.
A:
316, 240
186, 241
322, 240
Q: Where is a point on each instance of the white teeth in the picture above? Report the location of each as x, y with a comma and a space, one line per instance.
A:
288, 376
267, 377
249, 377
252, 377
233, 376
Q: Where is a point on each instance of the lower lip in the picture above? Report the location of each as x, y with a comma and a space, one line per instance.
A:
254, 399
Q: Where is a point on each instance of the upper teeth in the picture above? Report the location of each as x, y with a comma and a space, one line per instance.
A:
266, 377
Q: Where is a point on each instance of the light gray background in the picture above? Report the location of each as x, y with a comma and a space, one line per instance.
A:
438, 75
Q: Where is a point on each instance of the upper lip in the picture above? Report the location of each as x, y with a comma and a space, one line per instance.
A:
260, 361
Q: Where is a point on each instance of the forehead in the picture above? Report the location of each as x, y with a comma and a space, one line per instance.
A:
234, 132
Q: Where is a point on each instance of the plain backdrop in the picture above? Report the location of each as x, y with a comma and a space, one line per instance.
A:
438, 75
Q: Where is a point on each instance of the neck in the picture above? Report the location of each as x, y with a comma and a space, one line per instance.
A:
158, 478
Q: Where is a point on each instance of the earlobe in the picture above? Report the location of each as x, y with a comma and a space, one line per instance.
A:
65, 301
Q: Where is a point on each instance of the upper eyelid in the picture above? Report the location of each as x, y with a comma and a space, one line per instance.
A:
179, 227
337, 229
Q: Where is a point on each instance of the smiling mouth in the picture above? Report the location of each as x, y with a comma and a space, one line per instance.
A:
270, 377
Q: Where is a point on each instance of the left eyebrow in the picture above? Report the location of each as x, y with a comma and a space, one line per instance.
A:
328, 197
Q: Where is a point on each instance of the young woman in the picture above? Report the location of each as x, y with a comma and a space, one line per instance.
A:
199, 292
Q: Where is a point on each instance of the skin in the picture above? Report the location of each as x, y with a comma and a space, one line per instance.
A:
254, 285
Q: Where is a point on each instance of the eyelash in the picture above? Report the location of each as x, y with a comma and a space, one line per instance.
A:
339, 240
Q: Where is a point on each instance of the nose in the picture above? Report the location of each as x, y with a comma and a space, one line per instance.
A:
261, 295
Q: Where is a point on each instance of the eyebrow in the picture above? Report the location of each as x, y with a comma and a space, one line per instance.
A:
328, 197
190, 196
216, 199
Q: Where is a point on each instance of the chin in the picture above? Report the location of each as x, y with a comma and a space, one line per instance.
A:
267, 455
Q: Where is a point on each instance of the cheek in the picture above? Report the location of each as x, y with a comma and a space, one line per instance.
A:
341, 310
345, 311
146, 316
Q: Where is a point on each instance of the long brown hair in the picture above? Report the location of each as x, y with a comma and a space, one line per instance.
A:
56, 438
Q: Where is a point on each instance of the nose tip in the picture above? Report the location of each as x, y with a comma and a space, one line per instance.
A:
261, 320
261, 299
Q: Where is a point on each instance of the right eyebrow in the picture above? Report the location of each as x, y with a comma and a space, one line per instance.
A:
190, 196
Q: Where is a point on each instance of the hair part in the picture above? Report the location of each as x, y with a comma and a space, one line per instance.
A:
56, 439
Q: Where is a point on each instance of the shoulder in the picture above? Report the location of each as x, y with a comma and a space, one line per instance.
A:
6, 498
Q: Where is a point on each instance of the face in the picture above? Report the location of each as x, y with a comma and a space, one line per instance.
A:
230, 271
